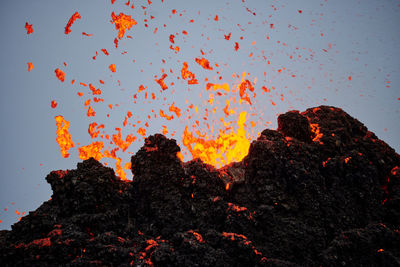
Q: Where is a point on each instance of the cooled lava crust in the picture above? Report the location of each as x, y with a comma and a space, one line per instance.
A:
320, 190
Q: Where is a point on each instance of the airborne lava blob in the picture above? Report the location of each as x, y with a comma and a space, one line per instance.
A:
63, 137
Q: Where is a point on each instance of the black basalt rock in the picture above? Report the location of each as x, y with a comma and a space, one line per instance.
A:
321, 190
156, 156
294, 124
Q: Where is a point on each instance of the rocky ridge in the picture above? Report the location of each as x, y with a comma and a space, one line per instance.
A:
320, 190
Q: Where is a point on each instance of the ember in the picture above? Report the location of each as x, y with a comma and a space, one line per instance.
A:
60, 75
122, 23
30, 66
161, 82
29, 28
63, 137
112, 68
71, 21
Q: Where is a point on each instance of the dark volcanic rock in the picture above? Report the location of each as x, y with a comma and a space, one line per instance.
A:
294, 124
321, 190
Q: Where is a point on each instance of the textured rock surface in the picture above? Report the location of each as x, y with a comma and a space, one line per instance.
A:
321, 190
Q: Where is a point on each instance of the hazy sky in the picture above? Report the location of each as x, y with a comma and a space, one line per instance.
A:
307, 53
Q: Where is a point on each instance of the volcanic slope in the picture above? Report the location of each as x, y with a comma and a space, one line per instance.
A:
320, 190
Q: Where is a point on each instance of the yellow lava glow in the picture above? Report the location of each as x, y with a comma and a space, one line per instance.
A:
63, 137
122, 23
92, 150
226, 148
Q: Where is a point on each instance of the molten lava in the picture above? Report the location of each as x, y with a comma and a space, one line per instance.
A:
30, 66
161, 82
29, 28
93, 150
60, 75
122, 23
63, 137
71, 21
112, 68
117, 139
226, 148
316, 130
204, 63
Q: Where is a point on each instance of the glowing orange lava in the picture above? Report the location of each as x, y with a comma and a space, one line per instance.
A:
30, 66
122, 23
63, 137
71, 21
29, 28
316, 130
204, 63
161, 82
243, 86
112, 68
187, 74
162, 114
226, 148
91, 112
54, 104
177, 111
60, 75
123, 144
92, 150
